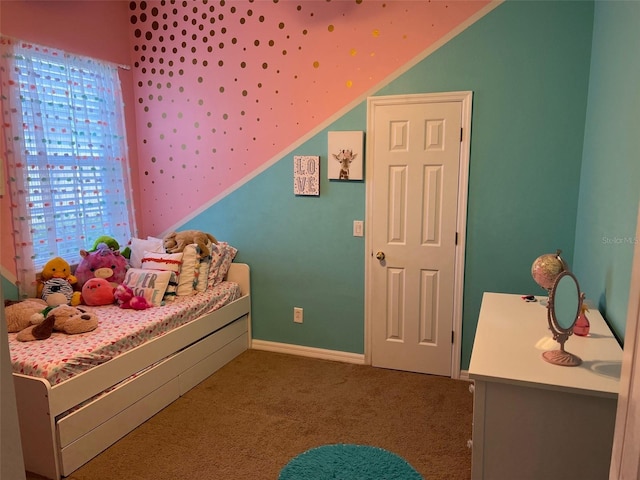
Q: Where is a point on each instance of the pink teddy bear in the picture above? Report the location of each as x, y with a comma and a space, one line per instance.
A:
125, 298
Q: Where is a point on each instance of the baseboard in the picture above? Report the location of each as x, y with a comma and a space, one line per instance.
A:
321, 353
312, 352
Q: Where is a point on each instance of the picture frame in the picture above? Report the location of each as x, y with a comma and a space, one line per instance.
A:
345, 155
306, 175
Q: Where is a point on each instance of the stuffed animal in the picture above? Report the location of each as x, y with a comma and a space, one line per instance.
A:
18, 313
58, 291
126, 299
112, 243
103, 263
176, 241
63, 318
97, 291
58, 267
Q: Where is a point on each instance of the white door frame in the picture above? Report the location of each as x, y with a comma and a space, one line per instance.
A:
465, 98
625, 459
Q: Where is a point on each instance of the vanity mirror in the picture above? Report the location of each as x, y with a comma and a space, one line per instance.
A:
565, 302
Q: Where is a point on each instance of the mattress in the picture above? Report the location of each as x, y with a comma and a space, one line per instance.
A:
63, 356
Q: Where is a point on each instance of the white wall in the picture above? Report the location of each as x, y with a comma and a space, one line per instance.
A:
11, 463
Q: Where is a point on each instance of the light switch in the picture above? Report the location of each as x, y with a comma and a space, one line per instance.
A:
358, 228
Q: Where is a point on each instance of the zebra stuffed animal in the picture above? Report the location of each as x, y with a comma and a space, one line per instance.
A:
58, 291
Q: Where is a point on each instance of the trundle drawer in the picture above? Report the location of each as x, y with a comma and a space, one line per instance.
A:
92, 428
108, 405
77, 453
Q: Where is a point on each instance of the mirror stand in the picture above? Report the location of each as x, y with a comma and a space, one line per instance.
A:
561, 357
565, 302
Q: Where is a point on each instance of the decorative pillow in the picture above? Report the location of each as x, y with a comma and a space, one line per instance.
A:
163, 261
150, 284
139, 246
204, 269
223, 269
203, 274
190, 270
222, 255
172, 288
217, 254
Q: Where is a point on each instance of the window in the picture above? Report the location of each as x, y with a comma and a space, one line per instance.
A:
66, 154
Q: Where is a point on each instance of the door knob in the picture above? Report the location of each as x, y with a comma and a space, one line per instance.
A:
380, 256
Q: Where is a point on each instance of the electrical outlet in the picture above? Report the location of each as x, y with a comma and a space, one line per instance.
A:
298, 314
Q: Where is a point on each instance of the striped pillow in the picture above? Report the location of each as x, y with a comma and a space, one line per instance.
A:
171, 262
167, 262
190, 270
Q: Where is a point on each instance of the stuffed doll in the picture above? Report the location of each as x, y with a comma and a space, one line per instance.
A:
103, 263
176, 241
58, 267
97, 291
126, 299
63, 318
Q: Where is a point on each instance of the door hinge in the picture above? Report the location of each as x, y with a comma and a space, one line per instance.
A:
461, 131
456, 238
452, 336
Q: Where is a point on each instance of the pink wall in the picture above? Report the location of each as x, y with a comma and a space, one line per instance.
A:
220, 89
224, 87
93, 28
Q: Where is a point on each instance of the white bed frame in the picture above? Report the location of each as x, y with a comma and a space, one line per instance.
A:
54, 447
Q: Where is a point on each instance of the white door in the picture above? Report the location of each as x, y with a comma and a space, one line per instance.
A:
414, 154
625, 458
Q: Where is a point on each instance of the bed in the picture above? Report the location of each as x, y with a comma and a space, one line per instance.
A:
68, 416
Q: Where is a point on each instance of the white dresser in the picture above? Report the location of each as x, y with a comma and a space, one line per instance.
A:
533, 420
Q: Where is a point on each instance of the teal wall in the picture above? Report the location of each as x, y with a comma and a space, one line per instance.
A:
9, 289
528, 66
555, 102
610, 180
301, 250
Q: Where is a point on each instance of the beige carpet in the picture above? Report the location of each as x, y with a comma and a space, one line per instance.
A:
251, 417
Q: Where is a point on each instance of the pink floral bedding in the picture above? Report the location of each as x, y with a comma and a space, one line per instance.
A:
62, 356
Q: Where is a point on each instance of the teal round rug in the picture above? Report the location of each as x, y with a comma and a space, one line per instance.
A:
348, 462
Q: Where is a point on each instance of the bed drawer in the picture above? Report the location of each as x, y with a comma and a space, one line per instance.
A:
204, 368
88, 446
108, 405
94, 427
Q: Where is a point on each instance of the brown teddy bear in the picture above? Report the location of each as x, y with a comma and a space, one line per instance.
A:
176, 241
63, 318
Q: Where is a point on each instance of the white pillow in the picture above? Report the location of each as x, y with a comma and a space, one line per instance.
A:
204, 269
162, 261
190, 270
172, 288
203, 274
139, 246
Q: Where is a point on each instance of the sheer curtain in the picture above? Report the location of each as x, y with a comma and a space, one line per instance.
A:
66, 155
